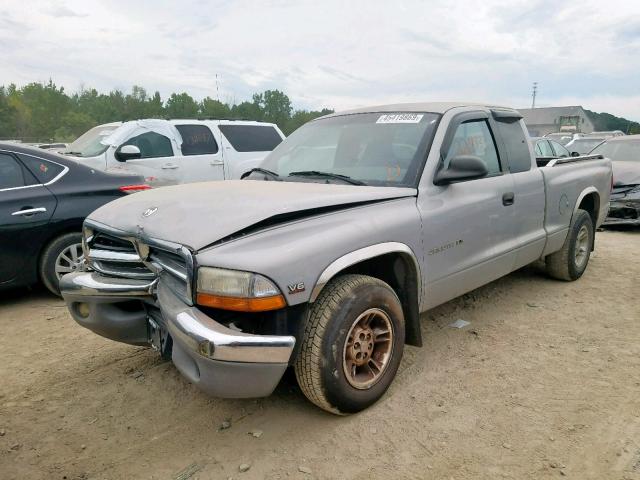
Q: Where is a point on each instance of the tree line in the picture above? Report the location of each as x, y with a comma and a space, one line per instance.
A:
44, 112
607, 122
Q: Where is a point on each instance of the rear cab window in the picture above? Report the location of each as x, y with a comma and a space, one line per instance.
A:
251, 138
197, 140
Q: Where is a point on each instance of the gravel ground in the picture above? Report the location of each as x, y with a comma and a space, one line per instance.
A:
543, 383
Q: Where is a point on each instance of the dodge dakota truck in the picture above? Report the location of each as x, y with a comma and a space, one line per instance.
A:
324, 257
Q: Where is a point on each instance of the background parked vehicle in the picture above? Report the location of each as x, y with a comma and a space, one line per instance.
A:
546, 150
168, 152
583, 145
44, 198
605, 134
562, 137
624, 152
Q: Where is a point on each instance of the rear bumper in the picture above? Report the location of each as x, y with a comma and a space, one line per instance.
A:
220, 361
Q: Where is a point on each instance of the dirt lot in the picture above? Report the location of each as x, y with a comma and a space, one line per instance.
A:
545, 382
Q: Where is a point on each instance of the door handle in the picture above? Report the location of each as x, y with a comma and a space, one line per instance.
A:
29, 211
214, 163
508, 198
169, 166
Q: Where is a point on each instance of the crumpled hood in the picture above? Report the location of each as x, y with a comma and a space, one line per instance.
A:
626, 173
198, 214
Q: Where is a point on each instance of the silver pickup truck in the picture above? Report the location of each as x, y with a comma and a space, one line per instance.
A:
324, 258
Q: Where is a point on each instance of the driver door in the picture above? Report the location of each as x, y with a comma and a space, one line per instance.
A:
467, 225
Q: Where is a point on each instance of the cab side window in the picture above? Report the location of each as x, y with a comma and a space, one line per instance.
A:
515, 144
151, 145
474, 138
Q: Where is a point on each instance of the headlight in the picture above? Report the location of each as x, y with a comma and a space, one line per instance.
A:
239, 291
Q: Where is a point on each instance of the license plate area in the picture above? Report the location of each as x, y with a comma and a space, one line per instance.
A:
159, 337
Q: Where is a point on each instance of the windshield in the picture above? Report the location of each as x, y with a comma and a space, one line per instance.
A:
627, 151
88, 144
584, 145
382, 149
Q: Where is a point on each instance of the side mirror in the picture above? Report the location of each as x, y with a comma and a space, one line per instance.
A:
461, 167
127, 152
575, 154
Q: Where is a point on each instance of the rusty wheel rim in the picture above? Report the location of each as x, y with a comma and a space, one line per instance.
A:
368, 348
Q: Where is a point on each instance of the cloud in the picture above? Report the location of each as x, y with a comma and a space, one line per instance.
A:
61, 11
334, 53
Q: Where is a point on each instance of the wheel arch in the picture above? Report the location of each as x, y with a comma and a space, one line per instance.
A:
589, 201
392, 262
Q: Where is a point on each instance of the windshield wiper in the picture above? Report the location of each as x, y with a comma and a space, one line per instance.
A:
336, 176
273, 175
77, 154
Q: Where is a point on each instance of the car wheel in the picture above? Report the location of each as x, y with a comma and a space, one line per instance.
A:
570, 262
352, 344
61, 256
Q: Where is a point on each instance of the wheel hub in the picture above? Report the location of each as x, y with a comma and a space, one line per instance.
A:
368, 348
361, 349
582, 246
71, 259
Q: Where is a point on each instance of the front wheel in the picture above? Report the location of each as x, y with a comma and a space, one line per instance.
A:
352, 344
570, 262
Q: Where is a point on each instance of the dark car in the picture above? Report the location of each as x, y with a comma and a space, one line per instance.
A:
44, 198
624, 152
547, 150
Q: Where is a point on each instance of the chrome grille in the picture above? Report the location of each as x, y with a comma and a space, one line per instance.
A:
116, 256
121, 254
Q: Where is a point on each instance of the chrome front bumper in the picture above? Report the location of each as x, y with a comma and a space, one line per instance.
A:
220, 361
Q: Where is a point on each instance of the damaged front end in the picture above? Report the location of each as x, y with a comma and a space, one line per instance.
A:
624, 207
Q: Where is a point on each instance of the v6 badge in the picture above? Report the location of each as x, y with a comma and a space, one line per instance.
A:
296, 288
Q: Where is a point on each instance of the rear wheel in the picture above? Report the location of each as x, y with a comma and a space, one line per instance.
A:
352, 344
63, 255
570, 262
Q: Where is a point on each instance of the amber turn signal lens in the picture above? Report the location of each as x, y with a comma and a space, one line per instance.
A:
238, 304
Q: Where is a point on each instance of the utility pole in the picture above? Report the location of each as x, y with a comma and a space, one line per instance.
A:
217, 89
533, 95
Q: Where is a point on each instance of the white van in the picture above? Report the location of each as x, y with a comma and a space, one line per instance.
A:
169, 152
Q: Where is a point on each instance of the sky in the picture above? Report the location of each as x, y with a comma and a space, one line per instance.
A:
335, 54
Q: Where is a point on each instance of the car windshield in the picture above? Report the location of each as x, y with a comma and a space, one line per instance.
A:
584, 145
382, 149
89, 143
620, 151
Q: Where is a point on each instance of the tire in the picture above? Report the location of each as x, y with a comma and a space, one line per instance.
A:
570, 262
50, 257
349, 315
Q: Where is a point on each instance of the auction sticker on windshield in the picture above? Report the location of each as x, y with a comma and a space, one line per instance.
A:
400, 118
